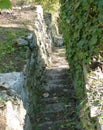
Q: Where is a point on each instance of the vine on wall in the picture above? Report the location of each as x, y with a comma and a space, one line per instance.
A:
82, 27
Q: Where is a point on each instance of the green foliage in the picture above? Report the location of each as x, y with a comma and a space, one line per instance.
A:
82, 26
82, 23
2, 101
12, 57
48, 5
5, 4
84, 114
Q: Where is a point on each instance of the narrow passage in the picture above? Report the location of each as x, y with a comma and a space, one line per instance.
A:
58, 102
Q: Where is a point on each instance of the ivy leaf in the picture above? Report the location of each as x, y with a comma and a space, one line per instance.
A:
76, 6
93, 40
80, 44
5, 4
86, 3
100, 17
100, 3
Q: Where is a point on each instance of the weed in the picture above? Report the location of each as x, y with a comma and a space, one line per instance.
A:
12, 57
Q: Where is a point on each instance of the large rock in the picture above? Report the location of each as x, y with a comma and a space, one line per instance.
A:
59, 41
12, 109
12, 81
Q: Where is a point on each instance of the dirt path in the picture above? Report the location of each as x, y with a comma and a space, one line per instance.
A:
58, 102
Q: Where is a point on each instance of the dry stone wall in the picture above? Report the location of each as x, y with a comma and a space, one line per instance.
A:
38, 57
18, 89
94, 91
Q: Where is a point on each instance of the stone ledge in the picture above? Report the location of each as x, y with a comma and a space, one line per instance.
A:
11, 104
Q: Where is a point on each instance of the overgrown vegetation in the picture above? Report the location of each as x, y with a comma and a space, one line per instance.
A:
48, 5
82, 23
5, 4
12, 57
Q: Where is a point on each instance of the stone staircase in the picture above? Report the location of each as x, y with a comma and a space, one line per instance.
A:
58, 100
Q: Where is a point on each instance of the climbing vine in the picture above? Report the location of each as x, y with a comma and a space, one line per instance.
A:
82, 27
48, 5
5, 4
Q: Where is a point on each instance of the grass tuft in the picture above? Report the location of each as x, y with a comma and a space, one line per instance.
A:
12, 57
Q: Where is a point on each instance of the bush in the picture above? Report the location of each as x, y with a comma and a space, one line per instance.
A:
82, 23
5, 4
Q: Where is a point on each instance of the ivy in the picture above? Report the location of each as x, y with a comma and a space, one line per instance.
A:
5, 4
48, 5
82, 23
82, 27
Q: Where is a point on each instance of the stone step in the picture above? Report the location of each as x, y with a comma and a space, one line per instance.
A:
52, 86
44, 117
64, 75
50, 125
54, 108
56, 71
60, 66
61, 92
49, 100
57, 82
56, 76
59, 60
53, 73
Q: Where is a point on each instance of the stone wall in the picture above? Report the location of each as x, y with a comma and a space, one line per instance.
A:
38, 58
12, 111
18, 90
94, 91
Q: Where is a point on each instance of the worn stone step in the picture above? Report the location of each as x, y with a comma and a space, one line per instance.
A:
52, 86
44, 117
58, 100
57, 71
61, 92
50, 125
53, 73
57, 81
60, 66
58, 61
49, 100
53, 108
56, 76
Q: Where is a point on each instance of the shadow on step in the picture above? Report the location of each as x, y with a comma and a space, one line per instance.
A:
58, 102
